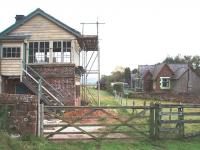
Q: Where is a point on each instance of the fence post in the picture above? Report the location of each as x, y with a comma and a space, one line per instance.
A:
41, 119
181, 119
151, 120
38, 107
170, 115
133, 110
157, 120
145, 107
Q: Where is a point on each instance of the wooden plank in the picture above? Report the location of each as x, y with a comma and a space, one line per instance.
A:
92, 132
41, 28
168, 129
170, 114
98, 107
179, 121
180, 105
90, 125
10, 67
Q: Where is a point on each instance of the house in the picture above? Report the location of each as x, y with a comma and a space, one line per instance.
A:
175, 78
40, 51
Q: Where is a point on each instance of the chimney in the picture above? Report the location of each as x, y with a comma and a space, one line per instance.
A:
19, 17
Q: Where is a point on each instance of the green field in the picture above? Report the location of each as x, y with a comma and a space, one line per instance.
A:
108, 100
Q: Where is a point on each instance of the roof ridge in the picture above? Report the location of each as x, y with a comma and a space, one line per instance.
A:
44, 14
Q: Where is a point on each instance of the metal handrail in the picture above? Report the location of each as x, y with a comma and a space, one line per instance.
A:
43, 80
43, 87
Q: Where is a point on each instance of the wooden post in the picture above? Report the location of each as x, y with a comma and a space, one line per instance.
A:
144, 108
157, 120
170, 114
127, 101
133, 110
181, 123
151, 120
41, 119
38, 107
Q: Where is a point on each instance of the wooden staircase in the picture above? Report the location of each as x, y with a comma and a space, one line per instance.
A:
49, 95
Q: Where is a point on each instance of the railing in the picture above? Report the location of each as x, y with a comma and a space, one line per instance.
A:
48, 88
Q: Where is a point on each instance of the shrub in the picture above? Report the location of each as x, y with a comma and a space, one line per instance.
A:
4, 117
118, 87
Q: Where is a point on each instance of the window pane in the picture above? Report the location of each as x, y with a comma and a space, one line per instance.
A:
64, 47
59, 44
8, 52
18, 52
46, 44
69, 46
54, 44
4, 52
13, 52
30, 45
41, 46
36, 45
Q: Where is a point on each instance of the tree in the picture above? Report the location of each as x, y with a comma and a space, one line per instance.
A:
169, 60
193, 61
116, 76
127, 76
134, 71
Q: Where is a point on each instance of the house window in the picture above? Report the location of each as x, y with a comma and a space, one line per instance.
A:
67, 51
57, 51
164, 82
11, 52
38, 52
61, 51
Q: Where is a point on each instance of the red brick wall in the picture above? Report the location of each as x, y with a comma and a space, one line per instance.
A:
62, 78
165, 72
22, 112
148, 82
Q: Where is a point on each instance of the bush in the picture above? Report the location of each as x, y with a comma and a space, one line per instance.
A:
118, 87
4, 117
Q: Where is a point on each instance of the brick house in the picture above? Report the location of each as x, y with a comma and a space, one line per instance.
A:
36, 49
175, 78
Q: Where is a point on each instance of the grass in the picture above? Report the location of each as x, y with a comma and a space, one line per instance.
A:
108, 100
34, 143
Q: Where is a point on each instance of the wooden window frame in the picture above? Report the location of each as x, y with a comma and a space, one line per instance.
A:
39, 54
12, 54
162, 83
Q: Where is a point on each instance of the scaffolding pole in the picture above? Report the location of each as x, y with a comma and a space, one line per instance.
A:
90, 43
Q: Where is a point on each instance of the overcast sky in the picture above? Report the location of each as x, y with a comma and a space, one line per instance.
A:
136, 31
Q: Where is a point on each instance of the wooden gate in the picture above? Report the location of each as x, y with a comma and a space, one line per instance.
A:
175, 120
106, 122
113, 122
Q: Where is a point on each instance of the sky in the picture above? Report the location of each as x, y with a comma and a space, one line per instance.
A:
136, 32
